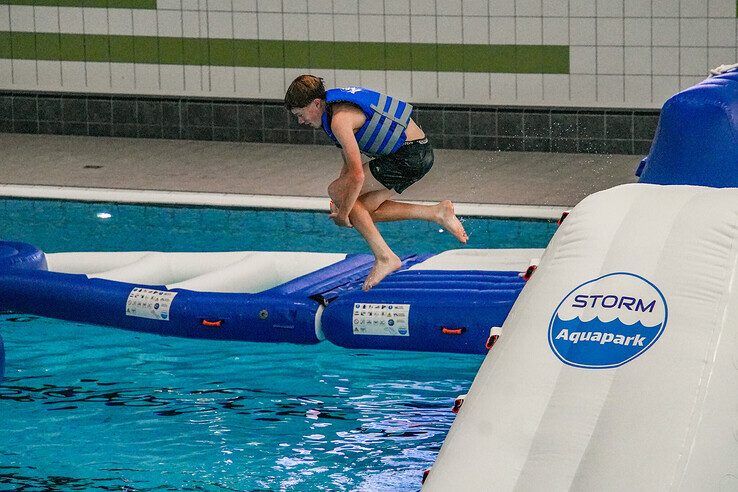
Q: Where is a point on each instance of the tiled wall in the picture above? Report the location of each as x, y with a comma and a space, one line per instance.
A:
552, 53
457, 127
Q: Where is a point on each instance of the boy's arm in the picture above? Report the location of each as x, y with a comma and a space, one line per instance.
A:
349, 183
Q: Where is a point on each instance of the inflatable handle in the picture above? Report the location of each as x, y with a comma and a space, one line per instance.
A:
21, 255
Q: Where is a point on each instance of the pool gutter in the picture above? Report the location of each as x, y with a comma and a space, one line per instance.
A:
232, 200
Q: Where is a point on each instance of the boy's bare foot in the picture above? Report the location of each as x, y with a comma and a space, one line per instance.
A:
448, 220
381, 268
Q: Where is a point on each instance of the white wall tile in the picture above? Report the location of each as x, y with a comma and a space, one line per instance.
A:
556, 30
95, 21
170, 23
638, 89
476, 88
720, 56
346, 78
172, 79
144, 22
556, 89
346, 6
638, 60
222, 81
501, 30
693, 32
475, 7
371, 28
665, 32
225, 5
721, 8
399, 84
448, 7
476, 30
422, 29
422, 7
70, 20
637, 32
583, 31
147, 78
73, 76
582, 8
583, 59
49, 75
610, 60
502, 7
371, 7
450, 86
665, 8
191, 25
21, 19
121, 21
687, 81
693, 61
294, 6
245, 26
98, 76
637, 8
451, 30
610, 31
6, 74
244, 5
665, 61
320, 6
247, 81
693, 8
530, 87
269, 5
296, 27
555, 8
528, 8
503, 88
346, 27
721, 32
272, 83
397, 28
5, 16
121, 76
193, 79
610, 89
529, 30
168, 5
24, 73
47, 19
374, 79
270, 25
583, 89
425, 86
664, 86
397, 7
320, 27
610, 8
220, 25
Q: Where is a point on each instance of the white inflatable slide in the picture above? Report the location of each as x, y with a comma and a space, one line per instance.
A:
617, 368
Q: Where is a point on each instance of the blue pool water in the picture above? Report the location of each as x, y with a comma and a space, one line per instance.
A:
92, 408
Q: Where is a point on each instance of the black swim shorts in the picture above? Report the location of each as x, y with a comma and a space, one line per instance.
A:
406, 166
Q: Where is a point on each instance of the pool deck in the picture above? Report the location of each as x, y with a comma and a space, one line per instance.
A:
278, 170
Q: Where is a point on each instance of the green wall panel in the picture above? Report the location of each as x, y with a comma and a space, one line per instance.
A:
113, 4
288, 54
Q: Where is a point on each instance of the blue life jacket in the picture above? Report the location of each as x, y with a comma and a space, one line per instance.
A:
387, 118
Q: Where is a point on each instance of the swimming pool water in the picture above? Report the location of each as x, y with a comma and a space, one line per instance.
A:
94, 408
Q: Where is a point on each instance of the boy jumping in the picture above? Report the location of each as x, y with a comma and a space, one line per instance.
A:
360, 121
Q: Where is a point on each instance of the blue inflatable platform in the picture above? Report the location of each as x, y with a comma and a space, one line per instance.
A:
449, 302
696, 142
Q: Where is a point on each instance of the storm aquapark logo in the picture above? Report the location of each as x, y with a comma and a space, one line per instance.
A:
608, 321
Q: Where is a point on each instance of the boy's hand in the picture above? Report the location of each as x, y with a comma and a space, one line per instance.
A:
338, 218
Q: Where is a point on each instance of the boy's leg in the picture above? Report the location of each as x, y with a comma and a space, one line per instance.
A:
386, 261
